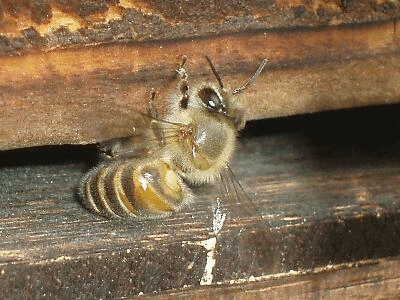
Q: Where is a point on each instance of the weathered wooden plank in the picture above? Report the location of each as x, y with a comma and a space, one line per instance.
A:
30, 25
328, 198
374, 279
86, 95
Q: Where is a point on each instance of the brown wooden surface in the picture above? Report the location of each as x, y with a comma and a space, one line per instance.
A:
30, 26
373, 279
72, 73
327, 190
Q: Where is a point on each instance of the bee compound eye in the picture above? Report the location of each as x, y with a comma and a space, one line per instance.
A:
211, 99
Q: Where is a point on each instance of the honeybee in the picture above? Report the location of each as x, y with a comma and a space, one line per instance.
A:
150, 173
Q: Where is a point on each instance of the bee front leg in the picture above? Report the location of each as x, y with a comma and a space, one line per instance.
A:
154, 119
183, 85
151, 110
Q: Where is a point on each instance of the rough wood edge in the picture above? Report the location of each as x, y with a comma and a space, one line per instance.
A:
370, 279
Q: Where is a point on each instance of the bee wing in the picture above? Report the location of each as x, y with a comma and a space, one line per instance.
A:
235, 199
254, 245
148, 137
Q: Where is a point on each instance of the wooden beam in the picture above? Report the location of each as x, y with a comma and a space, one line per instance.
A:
85, 95
372, 279
329, 201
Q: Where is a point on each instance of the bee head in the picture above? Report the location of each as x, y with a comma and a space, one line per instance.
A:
213, 97
218, 100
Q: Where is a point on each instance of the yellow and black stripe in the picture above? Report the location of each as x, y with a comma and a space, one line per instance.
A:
134, 188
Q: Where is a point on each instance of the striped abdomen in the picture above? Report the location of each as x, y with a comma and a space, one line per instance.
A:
134, 188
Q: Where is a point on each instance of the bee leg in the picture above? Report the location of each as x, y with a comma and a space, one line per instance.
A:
183, 85
181, 71
151, 110
110, 150
154, 124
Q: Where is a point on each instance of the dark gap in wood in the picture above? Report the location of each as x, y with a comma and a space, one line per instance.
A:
367, 132
49, 155
360, 132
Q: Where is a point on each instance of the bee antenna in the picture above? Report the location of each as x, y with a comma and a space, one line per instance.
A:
251, 80
215, 72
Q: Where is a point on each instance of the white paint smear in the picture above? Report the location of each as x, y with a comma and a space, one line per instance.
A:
210, 247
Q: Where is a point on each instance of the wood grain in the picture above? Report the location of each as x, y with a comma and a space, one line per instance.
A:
32, 26
86, 95
373, 279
